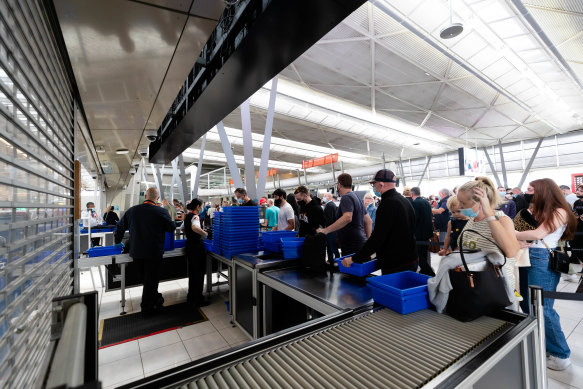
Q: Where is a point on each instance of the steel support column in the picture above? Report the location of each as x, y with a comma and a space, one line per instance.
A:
299, 177
183, 180
530, 161
502, 164
262, 177
158, 179
248, 150
400, 164
229, 155
492, 168
424, 170
199, 168
173, 180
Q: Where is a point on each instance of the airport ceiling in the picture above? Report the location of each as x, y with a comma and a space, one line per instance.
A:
382, 81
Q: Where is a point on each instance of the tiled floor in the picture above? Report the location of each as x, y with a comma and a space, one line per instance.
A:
147, 356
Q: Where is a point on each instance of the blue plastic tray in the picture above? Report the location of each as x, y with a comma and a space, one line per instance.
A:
208, 244
292, 248
275, 236
402, 284
169, 241
102, 251
274, 247
357, 269
400, 304
179, 243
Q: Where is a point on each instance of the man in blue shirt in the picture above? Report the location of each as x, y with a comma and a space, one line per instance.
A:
271, 215
370, 207
442, 214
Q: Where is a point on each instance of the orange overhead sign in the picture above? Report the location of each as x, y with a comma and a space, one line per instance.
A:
328, 159
270, 172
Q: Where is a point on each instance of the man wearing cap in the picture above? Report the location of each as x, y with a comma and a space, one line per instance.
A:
393, 238
354, 225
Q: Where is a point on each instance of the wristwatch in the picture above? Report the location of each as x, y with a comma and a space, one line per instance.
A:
491, 218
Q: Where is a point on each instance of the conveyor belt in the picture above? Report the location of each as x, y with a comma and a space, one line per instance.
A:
381, 350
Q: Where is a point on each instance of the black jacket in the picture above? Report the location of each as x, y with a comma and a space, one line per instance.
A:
520, 202
330, 213
111, 218
311, 218
147, 224
423, 219
393, 238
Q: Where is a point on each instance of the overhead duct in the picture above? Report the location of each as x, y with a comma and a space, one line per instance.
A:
254, 41
293, 182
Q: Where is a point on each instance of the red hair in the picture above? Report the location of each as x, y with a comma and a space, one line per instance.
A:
546, 202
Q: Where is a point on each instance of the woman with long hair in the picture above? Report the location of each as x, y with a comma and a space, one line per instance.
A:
479, 200
556, 222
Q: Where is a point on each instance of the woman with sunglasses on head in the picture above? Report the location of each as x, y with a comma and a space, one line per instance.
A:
556, 222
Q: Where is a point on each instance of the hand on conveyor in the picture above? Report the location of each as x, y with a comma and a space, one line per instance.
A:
347, 262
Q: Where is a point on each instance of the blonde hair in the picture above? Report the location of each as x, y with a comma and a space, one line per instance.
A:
368, 195
406, 191
453, 202
487, 186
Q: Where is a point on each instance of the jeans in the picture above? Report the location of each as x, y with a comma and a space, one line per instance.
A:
539, 274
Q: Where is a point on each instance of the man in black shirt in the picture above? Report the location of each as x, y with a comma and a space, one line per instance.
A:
330, 211
354, 225
423, 230
243, 199
311, 214
393, 239
577, 242
519, 199
147, 224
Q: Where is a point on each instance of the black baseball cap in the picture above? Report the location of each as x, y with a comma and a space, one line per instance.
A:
384, 175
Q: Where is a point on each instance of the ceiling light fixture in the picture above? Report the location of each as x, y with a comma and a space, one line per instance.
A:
100, 149
454, 29
122, 151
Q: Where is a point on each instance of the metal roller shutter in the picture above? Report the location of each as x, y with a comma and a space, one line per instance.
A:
36, 187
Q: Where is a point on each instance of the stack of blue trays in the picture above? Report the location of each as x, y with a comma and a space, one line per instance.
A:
216, 248
239, 230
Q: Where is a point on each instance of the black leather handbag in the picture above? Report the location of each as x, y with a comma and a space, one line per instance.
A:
476, 293
558, 260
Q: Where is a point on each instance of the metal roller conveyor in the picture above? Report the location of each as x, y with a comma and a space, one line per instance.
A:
381, 349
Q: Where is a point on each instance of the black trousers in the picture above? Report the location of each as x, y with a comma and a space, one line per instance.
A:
196, 262
149, 269
424, 258
95, 242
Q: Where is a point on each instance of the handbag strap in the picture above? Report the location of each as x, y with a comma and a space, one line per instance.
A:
467, 269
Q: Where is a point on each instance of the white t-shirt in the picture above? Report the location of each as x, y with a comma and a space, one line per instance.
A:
286, 212
93, 217
195, 221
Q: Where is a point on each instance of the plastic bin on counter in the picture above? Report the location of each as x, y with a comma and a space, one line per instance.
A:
403, 292
103, 251
179, 243
292, 248
357, 269
272, 239
208, 244
169, 241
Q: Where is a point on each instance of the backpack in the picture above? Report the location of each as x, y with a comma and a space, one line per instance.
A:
314, 253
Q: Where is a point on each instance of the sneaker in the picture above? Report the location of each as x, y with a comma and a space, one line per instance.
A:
556, 363
518, 296
570, 277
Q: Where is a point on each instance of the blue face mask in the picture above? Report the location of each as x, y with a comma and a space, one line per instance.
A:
376, 192
240, 201
515, 195
469, 212
502, 194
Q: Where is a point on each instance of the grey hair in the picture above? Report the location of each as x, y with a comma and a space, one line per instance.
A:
445, 192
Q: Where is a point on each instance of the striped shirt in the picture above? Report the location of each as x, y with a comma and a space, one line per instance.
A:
473, 241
